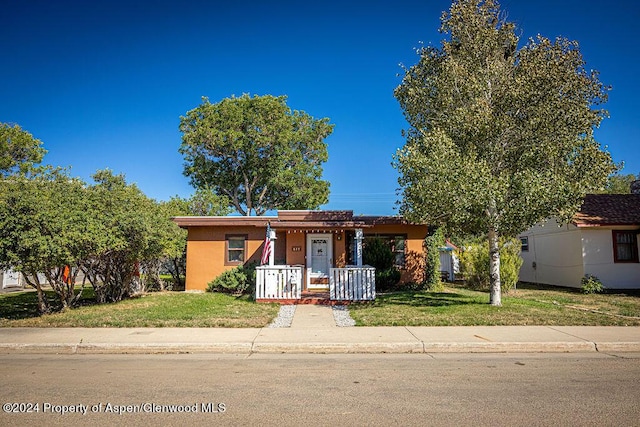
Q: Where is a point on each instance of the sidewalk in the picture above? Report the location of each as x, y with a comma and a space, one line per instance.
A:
314, 331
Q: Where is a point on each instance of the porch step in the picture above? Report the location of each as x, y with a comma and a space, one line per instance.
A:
316, 298
308, 298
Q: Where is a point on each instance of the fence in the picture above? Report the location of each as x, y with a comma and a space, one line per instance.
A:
279, 282
352, 283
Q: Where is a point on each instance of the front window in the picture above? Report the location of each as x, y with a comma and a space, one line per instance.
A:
398, 250
397, 245
625, 246
235, 253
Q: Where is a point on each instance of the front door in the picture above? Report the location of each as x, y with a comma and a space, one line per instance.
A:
319, 260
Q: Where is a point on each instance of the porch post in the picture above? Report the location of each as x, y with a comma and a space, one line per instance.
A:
358, 249
272, 238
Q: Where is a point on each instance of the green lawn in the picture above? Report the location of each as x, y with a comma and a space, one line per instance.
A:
528, 305
158, 309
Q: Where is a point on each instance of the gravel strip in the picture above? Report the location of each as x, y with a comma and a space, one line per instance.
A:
285, 317
342, 317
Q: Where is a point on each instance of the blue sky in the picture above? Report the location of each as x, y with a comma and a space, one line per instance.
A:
103, 83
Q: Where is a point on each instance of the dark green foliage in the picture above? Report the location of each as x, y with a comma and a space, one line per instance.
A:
19, 150
238, 281
378, 254
106, 230
257, 152
203, 203
387, 279
432, 268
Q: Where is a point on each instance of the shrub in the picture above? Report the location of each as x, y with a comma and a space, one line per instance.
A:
591, 284
474, 263
433, 242
238, 281
378, 254
387, 279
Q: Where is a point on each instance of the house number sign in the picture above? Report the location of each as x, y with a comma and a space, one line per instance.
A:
296, 249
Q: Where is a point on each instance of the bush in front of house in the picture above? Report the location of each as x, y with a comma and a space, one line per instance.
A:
238, 281
432, 243
474, 263
591, 285
378, 254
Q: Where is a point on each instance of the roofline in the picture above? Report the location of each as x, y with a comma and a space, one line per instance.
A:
604, 224
291, 222
203, 221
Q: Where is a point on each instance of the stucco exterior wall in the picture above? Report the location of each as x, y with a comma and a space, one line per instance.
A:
564, 255
554, 256
597, 248
206, 250
414, 250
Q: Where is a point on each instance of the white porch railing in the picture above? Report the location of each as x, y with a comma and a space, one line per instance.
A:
352, 283
279, 281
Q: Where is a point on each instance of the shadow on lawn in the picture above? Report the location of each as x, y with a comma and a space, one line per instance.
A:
24, 305
430, 299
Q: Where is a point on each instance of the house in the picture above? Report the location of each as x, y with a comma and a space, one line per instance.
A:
11, 280
601, 240
449, 261
310, 251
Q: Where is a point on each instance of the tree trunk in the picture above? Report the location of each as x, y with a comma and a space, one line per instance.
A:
43, 304
495, 298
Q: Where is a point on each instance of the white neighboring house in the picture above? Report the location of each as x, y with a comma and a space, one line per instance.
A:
11, 279
601, 240
449, 262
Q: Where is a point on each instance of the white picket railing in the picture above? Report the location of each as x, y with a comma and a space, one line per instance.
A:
352, 283
279, 281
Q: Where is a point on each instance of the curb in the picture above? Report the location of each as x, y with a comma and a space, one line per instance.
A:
173, 348
613, 347
338, 348
322, 348
512, 347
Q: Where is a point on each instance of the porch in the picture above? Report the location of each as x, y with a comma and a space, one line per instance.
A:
292, 284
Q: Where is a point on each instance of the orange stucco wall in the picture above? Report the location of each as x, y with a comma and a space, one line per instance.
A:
206, 250
414, 248
206, 254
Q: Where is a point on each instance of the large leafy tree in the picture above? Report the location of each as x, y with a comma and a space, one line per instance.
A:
44, 234
620, 184
203, 203
127, 228
53, 226
19, 150
257, 152
499, 137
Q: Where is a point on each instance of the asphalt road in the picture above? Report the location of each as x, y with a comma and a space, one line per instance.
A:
309, 390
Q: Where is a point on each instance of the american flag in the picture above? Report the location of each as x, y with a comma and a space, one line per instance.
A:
266, 249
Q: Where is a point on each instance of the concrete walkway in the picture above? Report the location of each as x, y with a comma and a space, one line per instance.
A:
303, 338
313, 316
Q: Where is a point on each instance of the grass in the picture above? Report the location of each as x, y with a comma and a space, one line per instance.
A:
528, 305
455, 306
158, 309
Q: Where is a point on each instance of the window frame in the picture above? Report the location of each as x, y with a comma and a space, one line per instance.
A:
227, 248
633, 245
524, 244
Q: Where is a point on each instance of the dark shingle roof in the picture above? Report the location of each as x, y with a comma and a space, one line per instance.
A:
609, 209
